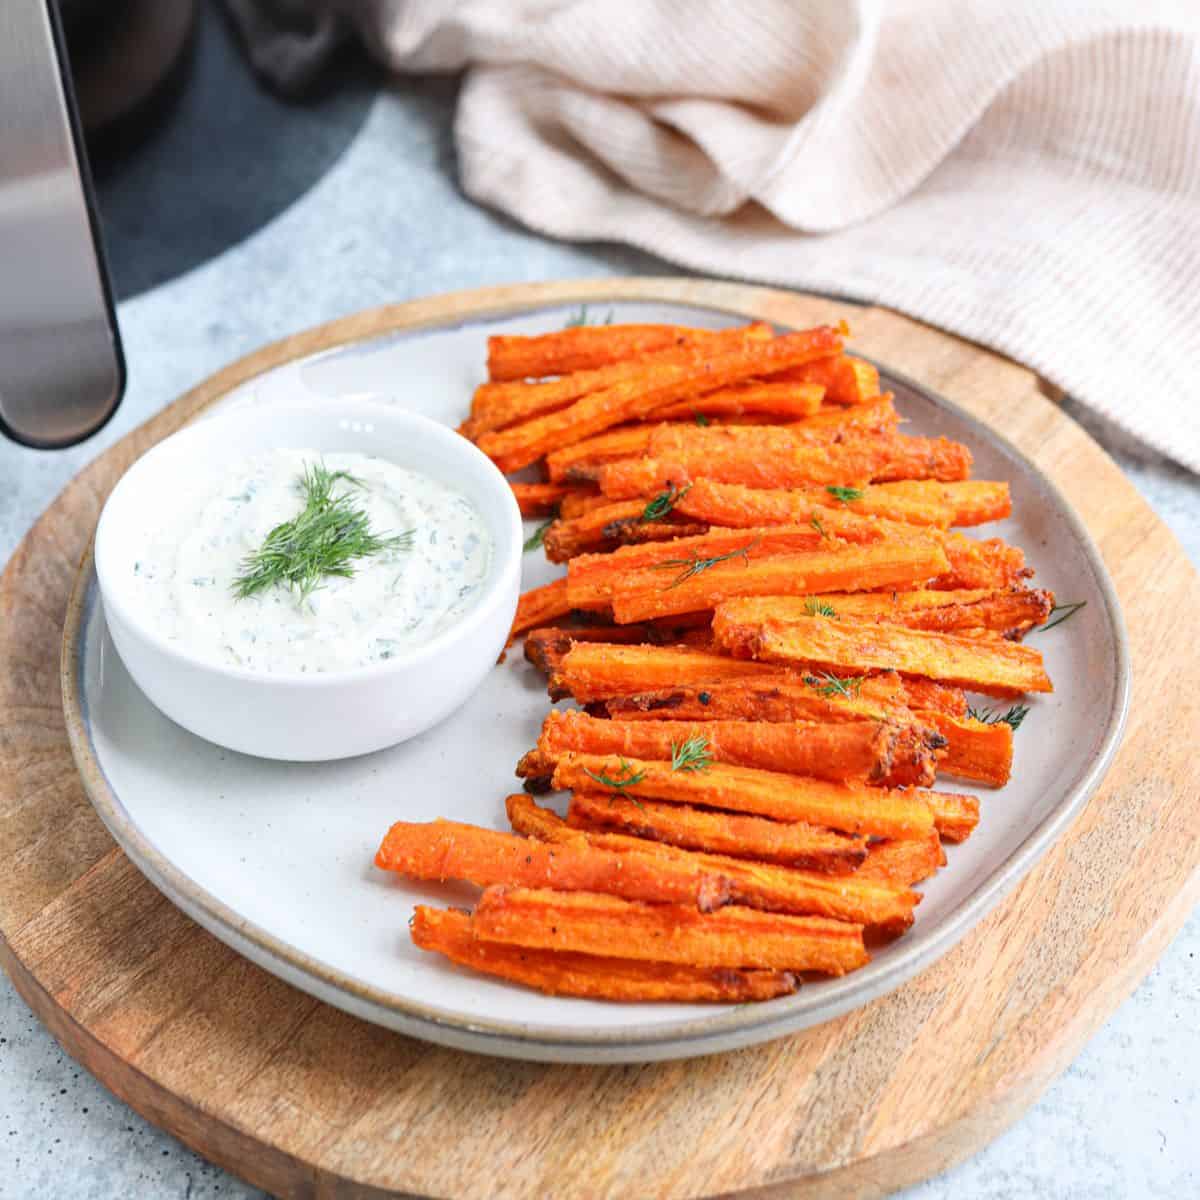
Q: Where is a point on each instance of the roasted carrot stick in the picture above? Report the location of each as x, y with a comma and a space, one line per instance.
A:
623, 442
850, 808
693, 584
974, 750
860, 750
497, 405
1010, 613
989, 564
657, 387
587, 347
598, 672
786, 401
915, 502
922, 694
444, 850
543, 499
846, 380
591, 578
593, 977
622, 522
771, 887
954, 815
903, 862
608, 926
789, 843
853, 462
545, 648
995, 667
765, 885
540, 606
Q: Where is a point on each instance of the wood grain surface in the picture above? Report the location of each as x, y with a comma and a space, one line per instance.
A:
305, 1101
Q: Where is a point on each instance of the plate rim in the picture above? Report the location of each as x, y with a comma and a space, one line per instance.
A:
734, 1026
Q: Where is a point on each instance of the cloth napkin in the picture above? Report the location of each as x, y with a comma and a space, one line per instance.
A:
1024, 173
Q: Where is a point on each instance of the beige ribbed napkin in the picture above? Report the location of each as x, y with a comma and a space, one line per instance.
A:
1025, 173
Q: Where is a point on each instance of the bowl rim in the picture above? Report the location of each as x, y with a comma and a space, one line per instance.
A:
502, 567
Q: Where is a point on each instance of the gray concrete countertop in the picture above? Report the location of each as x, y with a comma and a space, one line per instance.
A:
384, 221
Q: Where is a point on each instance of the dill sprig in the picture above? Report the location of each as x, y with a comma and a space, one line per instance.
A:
663, 503
1067, 611
819, 608
692, 755
815, 522
701, 419
628, 777
580, 317
990, 716
324, 539
833, 685
696, 565
538, 536
845, 494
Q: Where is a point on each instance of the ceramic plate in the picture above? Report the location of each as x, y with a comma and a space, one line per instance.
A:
275, 859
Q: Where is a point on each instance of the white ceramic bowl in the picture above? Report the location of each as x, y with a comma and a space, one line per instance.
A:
306, 717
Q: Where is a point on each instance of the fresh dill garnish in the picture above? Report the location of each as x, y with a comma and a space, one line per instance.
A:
663, 503
815, 522
1067, 611
833, 685
538, 536
691, 755
580, 317
696, 565
989, 716
701, 419
819, 608
628, 778
324, 539
845, 494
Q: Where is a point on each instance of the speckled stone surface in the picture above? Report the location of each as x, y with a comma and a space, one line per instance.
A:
384, 221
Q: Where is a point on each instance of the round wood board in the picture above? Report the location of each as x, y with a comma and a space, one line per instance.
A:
305, 1101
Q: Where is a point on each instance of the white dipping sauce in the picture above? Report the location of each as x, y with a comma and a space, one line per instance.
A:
394, 602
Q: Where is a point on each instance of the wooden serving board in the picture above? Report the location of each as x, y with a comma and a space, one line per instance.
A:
305, 1101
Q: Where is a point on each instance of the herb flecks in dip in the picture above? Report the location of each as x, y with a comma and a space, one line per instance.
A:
428, 555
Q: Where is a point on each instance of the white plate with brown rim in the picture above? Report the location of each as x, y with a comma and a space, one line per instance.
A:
275, 859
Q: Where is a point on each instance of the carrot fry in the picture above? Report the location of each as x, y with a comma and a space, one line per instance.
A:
657, 387
765, 885
855, 461
915, 502
623, 442
686, 587
539, 606
620, 523
608, 926
591, 577
904, 861
850, 808
784, 400
989, 564
846, 380
543, 499
598, 672
976, 750
954, 816
497, 405
444, 850
996, 668
587, 347
924, 694
859, 750
545, 648
1010, 613
790, 843
593, 977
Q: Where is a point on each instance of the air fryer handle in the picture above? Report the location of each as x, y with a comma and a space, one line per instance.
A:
62, 372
